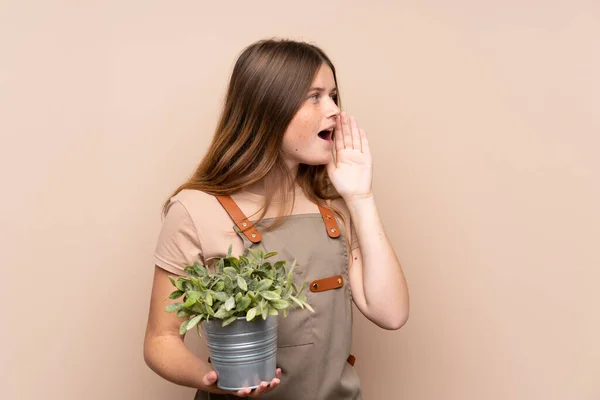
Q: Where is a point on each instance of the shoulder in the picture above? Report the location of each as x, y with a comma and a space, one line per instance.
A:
194, 201
202, 209
209, 221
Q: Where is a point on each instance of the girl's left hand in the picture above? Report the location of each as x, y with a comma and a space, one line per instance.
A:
351, 172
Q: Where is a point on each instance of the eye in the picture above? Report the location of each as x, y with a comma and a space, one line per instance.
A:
314, 97
334, 97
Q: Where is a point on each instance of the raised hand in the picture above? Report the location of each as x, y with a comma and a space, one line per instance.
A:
351, 170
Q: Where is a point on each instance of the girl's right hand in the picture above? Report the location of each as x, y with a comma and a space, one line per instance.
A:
210, 381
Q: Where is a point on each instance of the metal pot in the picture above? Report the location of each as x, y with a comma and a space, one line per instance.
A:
242, 353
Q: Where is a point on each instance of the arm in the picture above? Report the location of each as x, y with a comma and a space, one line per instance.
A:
378, 285
166, 353
164, 349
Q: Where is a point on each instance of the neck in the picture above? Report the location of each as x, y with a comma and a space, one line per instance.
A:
274, 179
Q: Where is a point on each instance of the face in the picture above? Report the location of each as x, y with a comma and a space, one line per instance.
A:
308, 137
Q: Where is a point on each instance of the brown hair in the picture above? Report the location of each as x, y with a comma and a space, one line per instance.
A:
268, 84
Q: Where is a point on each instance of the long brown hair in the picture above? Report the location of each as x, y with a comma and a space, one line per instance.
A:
268, 85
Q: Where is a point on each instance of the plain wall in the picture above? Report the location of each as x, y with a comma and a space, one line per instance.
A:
484, 122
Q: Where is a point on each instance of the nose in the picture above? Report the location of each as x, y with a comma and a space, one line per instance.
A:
332, 109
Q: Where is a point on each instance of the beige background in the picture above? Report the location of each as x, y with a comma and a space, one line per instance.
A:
484, 119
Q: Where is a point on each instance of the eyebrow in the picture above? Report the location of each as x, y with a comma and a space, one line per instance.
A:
321, 89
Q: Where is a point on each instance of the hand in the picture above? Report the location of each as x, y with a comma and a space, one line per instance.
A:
351, 172
210, 381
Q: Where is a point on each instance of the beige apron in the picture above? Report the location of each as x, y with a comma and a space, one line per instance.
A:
313, 349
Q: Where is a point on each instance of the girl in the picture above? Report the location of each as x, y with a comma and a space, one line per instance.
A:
271, 167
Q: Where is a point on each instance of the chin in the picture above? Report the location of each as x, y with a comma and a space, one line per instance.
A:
317, 161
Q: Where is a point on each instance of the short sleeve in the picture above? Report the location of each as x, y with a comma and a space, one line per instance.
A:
178, 243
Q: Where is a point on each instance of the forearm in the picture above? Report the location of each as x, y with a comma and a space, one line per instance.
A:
169, 357
384, 286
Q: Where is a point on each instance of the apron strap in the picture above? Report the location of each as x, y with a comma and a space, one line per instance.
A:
330, 223
240, 219
254, 235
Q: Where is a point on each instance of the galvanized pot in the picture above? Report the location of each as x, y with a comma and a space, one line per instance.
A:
242, 353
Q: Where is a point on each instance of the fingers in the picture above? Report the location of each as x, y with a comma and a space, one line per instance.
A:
364, 142
209, 379
346, 131
349, 135
355, 134
338, 137
263, 388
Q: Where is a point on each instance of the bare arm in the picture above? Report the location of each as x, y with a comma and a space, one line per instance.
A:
166, 353
164, 349
378, 285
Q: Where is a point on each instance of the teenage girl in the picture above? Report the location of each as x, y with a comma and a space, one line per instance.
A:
286, 171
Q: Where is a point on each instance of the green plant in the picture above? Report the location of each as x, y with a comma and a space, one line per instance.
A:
247, 286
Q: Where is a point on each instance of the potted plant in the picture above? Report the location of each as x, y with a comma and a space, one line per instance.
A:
237, 306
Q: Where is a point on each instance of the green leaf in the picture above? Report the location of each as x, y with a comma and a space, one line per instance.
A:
174, 307
233, 261
210, 312
270, 254
222, 313
289, 276
209, 300
229, 250
190, 270
301, 287
251, 314
193, 322
228, 321
279, 266
198, 308
279, 304
178, 283
308, 306
295, 300
270, 295
183, 327
265, 312
230, 271
200, 270
221, 296
273, 311
193, 297
252, 296
264, 285
220, 265
252, 252
230, 304
183, 313
176, 294
242, 283
243, 304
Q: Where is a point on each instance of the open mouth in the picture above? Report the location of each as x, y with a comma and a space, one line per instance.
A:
326, 134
